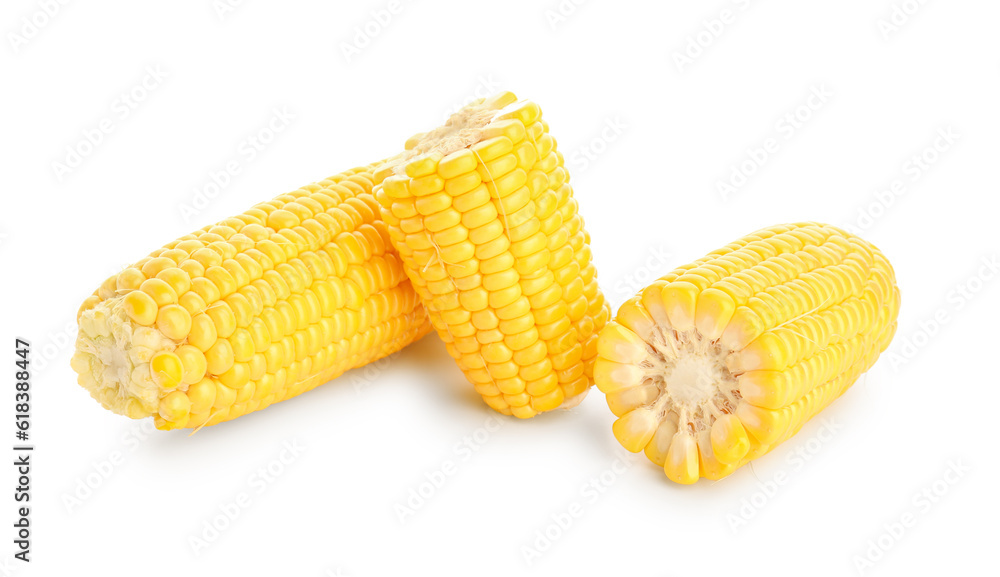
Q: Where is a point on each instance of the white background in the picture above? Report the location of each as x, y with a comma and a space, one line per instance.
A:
650, 194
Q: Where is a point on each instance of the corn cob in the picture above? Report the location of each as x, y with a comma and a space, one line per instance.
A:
723, 359
484, 219
250, 311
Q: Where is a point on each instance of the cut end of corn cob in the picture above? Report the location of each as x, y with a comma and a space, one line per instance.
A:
463, 129
725, 358
114, 361
250, 311
483, 216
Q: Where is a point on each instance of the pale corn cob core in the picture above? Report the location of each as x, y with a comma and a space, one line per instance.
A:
484, 219
723, 359
250, 311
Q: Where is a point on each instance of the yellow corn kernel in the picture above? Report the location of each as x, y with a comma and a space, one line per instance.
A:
205, 288
635, 429
657, 448
140, 307
159, 290
201, 395
192, 302
129, 279
729, 439
178, 279
203, 332
153, 266
174, 406
236, 376
219, 357
709, 466
174, 322
166, 370
223, 318
733, 353
242, 344
681, 463
194, 363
